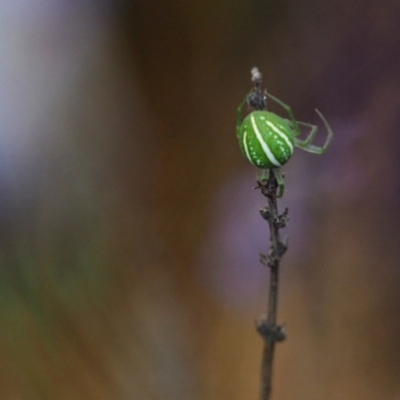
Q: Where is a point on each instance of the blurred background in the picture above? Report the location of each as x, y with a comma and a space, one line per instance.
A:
129, 230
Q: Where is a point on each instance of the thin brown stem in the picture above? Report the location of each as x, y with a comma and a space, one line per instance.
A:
267, 325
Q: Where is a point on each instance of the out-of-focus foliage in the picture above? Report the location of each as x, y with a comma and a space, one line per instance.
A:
129, 233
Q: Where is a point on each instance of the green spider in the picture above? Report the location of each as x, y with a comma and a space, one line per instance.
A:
268, 140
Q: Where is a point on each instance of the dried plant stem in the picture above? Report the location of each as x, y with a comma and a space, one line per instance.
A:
267, 324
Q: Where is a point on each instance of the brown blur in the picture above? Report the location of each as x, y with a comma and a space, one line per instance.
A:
129, 230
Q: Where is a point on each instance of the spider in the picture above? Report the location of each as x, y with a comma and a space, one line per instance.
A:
268, 140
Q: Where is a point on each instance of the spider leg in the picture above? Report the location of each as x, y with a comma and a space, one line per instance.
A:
281, 181
296, 127
310, 137
317, 149
240, 113
263, 175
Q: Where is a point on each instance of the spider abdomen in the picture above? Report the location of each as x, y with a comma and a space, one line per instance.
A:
266, 139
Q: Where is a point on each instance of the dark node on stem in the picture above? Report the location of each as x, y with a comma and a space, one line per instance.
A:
265, 213
268, 188
264, 259
270, 333
273, 259
282, 219
281, 333
282, 247
275, 254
